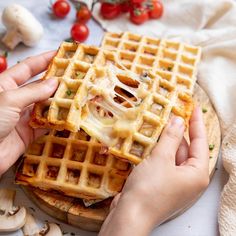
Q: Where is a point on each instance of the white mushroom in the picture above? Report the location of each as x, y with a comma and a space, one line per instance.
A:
21, 26
11, 218
50, 229
31, 228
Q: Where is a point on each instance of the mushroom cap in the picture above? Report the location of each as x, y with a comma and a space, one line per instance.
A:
9, 223
18, 18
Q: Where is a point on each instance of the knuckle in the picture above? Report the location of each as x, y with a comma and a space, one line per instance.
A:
173, 134
2, 168
203, 181
160, 154
6, 97
168, 153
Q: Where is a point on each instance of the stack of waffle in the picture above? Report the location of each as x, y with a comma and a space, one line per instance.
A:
108, 112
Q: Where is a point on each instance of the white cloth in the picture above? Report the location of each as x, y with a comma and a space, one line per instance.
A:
212, 25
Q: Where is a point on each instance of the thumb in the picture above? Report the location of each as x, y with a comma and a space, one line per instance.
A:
170, 139
31, 93
115, 201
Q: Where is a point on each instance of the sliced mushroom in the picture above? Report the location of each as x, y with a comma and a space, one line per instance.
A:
21, 26
50, 229
31, 228
11, 218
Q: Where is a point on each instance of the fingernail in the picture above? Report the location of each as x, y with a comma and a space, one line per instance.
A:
52, 82
177, 121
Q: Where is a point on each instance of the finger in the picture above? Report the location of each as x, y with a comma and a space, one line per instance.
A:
115, 201
182, 153
40, 132
26, 69
31, 93
198, 150
170, 139
28, 134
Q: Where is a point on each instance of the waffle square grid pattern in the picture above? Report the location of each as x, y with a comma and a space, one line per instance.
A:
72, 64
153, 79
175, 62
128, 120
74, 164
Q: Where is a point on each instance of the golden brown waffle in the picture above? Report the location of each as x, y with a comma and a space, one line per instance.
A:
174, 62
74, 164
70, 66
128, 114
125, 111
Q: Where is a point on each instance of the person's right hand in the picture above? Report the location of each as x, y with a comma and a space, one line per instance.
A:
162, 185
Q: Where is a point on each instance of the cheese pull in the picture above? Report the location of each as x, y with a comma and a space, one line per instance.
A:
124, 128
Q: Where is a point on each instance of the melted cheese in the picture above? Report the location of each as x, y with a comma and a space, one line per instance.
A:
105, 118
124, 128
88, 203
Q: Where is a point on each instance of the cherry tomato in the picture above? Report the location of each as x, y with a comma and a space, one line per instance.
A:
83, 14
155, 9
61, 8
125, 6
136, 1
139, 15
3, 63
79, 32
110, 10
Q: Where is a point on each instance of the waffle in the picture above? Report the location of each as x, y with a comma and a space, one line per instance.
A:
128, 115
70, 66
173, 61
74, 164
99, 93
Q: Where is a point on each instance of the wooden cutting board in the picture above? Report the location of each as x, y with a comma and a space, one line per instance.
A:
72, 211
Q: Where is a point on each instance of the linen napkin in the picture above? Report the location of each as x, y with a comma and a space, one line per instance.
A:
210, 24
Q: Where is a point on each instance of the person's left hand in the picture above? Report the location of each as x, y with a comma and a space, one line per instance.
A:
15, 106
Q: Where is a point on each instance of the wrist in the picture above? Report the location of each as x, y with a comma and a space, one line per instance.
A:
135, 210
128, 218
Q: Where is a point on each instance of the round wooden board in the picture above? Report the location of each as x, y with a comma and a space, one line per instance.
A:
72, 211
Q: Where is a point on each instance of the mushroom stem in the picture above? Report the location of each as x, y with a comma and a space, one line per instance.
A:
31, 228
7, 197
11, 39
11, 218
21, 26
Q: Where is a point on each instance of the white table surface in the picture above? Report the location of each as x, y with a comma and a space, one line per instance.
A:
199, 220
